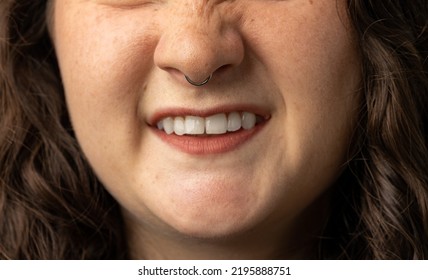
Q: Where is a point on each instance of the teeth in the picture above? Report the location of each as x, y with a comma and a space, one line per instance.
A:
179, 126
168, 125
216, 124
234, 122
248, 120
212, 125
194, 125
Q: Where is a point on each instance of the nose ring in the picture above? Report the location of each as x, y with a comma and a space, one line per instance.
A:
198, 84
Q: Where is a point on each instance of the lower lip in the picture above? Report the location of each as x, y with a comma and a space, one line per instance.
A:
206, 145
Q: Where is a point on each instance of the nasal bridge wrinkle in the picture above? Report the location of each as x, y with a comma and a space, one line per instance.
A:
205, 8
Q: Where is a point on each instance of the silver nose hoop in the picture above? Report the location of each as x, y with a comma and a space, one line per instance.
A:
196, 84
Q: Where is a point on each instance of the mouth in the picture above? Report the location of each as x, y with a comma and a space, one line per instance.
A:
201, 133
217, 124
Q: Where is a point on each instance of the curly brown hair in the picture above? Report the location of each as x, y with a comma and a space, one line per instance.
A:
381, 206
53, 207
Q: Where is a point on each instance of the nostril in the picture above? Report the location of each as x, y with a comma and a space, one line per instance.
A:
222, 69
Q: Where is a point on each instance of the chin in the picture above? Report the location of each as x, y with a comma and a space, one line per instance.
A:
214, 230
212, 221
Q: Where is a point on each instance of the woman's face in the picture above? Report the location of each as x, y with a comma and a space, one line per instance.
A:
292, 64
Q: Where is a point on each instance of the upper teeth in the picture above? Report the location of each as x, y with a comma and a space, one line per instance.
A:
215, 124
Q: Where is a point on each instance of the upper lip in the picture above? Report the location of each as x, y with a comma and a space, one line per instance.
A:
163, 113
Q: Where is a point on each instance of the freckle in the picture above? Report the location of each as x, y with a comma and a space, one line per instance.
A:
311, 2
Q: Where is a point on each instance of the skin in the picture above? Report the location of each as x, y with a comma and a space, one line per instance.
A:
121, 61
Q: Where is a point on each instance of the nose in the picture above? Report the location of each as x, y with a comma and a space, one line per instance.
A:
198, 44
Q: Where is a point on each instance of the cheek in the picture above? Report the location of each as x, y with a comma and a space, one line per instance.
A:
303, 42
103, 72
315, 65
99, 51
